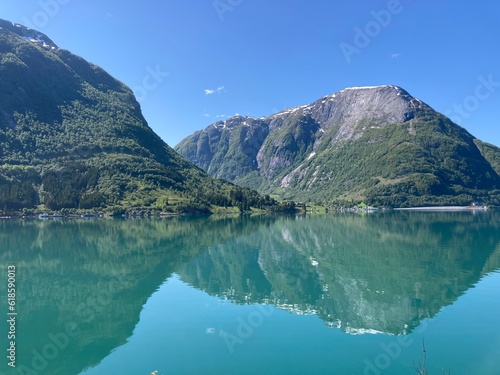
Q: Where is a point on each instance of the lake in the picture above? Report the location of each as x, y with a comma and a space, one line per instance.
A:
319, 294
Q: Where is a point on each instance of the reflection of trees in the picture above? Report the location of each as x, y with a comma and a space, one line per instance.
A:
378, 272
98, 275
383, 272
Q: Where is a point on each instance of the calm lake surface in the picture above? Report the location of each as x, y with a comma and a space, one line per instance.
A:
326, 294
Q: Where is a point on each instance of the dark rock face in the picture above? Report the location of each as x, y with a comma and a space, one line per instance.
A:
308, 151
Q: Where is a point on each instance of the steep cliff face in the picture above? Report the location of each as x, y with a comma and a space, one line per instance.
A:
362, 143
344, 110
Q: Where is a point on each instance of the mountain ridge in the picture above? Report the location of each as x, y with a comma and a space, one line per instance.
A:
74, 137
31, 35
277, 154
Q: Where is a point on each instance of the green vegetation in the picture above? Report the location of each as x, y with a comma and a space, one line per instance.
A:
426, 161
73, 137
390, 167
490, 153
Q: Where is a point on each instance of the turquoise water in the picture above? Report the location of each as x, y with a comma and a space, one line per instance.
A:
326, 294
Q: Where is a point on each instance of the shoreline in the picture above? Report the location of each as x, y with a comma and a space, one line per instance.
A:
444, 208
147, 214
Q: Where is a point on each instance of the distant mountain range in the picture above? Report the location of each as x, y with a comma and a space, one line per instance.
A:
377, 145
73, 137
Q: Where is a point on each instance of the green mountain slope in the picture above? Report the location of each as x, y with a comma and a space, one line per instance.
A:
373, 144
72, 136
491, 153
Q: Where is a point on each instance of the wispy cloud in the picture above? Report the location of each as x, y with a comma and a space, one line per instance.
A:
218, 90
206, 115
221, 116
395, 55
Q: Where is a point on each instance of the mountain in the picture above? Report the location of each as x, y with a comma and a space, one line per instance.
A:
376, 144
72, 136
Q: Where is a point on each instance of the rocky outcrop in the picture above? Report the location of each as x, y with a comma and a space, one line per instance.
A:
325, 151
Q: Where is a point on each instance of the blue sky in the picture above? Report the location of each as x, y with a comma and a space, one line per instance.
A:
192, 62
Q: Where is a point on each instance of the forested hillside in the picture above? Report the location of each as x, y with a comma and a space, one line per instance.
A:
73, 137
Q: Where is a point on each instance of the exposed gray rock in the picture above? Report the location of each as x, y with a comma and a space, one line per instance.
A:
264, 140
301, 152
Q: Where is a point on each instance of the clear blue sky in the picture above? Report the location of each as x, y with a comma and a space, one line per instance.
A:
255, 57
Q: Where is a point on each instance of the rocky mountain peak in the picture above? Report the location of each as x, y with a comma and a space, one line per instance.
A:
345, 109
28, 34
393, 98
233, 122
376, 144
381, 105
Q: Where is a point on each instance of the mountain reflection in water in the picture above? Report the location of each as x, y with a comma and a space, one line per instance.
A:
383, 272
377, 273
